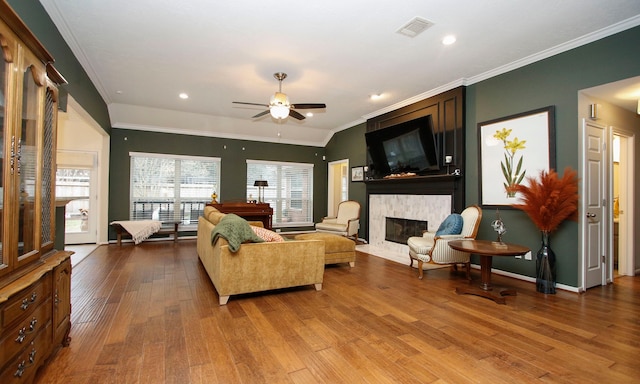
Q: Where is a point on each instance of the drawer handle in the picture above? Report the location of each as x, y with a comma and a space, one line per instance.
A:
21, 335
27, 302
23, 364
32, 324
21, 368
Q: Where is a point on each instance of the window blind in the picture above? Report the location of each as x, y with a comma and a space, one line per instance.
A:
290, 190
171, 187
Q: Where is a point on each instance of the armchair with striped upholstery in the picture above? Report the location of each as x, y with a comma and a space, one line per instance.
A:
432, 248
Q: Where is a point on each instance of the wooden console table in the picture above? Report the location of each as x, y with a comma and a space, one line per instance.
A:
249, 211
486, 249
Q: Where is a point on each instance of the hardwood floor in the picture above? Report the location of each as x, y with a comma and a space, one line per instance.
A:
149, 314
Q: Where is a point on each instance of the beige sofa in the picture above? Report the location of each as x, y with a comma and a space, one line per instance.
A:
257, 267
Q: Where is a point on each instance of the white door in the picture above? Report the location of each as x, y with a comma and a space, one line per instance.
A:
593, 204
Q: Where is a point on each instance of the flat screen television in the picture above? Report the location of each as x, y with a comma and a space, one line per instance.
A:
403, 148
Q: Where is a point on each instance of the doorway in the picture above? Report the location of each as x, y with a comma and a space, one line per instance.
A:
622, 191
608, 190
338, 185
76, 182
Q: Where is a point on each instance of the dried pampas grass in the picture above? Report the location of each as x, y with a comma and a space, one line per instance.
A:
550, 200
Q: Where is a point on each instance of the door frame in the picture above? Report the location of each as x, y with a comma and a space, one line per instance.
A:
628, 174
84, 160
332, 186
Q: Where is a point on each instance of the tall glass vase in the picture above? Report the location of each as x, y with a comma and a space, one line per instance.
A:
546, 267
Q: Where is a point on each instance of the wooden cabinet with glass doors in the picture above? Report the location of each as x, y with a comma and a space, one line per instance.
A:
35, 278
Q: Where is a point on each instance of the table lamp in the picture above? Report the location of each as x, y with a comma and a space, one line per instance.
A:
260, 184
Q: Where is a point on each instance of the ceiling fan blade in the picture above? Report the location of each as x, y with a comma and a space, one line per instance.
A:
308, 106
260, 114
242, 102
296, 115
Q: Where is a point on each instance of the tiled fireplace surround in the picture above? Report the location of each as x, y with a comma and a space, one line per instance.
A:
432, 208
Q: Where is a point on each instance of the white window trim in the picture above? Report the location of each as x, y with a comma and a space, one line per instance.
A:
132, 154
309, 166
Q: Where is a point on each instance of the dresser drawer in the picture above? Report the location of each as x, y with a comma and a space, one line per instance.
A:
23, 368
24, 302
16, 338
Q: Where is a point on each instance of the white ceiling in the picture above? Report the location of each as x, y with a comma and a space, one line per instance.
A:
141, 54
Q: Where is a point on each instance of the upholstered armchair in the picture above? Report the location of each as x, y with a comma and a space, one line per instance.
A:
433, 247
345, 223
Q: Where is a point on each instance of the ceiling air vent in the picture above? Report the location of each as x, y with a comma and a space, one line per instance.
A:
415, 27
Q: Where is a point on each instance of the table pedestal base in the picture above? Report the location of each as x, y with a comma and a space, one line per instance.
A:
486, 250
495, 294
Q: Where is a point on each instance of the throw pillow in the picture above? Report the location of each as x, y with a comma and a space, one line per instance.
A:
267, 235
452, 225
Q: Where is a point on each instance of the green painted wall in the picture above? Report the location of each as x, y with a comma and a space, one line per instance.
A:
554, 81
79, 85
233, 163
350, 144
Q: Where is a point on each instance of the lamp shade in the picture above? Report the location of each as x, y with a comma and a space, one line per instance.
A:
279, 106
279, 111
260, 183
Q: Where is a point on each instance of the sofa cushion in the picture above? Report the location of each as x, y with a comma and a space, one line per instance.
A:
332, 243
452, 225
235, 230
212, 214
207, 210
267, 235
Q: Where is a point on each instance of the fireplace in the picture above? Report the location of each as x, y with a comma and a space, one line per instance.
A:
430, 197
430, 209
399, 230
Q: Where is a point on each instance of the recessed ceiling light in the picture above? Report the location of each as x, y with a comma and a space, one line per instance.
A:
448, 40
183, 96
375, 96
309, 114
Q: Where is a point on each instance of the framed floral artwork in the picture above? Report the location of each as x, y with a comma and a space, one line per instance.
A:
511, 149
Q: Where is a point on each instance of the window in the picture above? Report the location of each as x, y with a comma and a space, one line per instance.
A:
171, 187
290, 190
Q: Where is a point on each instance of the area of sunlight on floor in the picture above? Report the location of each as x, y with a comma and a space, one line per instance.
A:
81, 251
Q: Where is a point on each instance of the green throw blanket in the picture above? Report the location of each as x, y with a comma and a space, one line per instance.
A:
235, 230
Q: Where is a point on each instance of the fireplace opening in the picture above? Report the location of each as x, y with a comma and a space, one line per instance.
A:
400, 230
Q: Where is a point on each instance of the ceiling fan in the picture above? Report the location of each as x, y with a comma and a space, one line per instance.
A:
279, 105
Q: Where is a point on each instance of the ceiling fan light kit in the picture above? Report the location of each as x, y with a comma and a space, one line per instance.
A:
279, 111
279, 106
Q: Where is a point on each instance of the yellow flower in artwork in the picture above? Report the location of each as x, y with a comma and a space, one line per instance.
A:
514, 145
503, 134
513, 176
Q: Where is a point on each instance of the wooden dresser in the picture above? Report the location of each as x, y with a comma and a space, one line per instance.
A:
249, 211
35, 278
